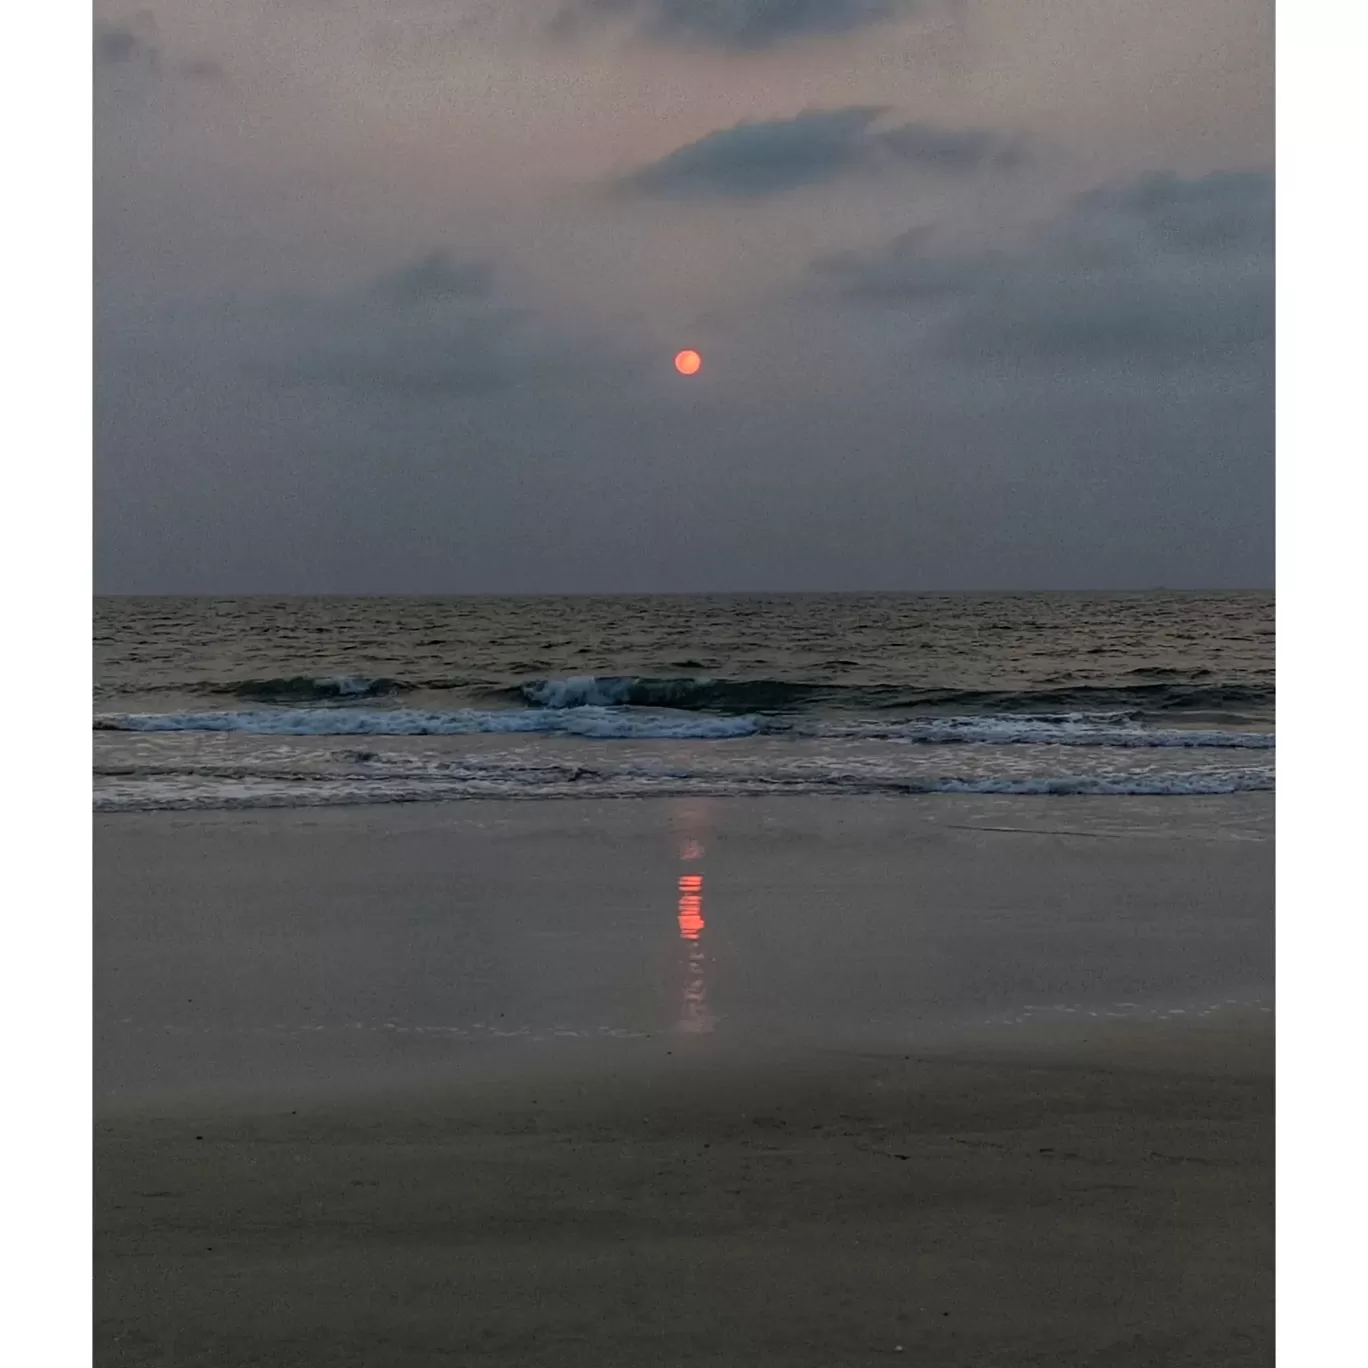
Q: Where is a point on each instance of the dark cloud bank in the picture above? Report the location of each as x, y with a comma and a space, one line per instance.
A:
756, 158
1163, 273
730, 25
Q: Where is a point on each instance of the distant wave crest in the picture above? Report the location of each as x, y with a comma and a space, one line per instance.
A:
306, 688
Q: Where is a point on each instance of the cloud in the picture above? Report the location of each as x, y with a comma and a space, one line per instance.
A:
952, 149
731, 25
127, 44
434, 279
429, 328
434, 328
756, 158
134, 45
1162, 273
202, 68
760, 158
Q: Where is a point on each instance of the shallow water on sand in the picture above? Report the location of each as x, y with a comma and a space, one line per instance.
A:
323, 948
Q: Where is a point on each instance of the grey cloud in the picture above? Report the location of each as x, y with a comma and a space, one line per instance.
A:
201, 68
435, 328
953, 149
433, 279
761, 157
908, 269
127, 44
1163, 273
447, 363
134, 46
756, 158
1224, 211
732, 25
431, 327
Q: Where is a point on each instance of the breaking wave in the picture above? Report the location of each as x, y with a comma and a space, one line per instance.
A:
1173, 692
305, 688
1146, 691
686, 694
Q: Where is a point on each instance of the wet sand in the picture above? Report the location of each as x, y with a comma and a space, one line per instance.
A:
807, 1110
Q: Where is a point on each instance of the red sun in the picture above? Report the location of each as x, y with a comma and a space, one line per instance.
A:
688, 362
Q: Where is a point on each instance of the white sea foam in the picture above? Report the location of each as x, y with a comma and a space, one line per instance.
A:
599, 722
322, 778
580, 691
607, 723
353, 686
1077, 729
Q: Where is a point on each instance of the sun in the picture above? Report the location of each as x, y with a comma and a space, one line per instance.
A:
688, 362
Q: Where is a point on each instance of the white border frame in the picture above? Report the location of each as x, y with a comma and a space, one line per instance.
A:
45, 561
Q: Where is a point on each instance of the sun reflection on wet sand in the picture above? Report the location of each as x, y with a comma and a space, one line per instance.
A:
694, 1018
691, 921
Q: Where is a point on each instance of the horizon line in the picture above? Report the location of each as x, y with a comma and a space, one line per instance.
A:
674, 593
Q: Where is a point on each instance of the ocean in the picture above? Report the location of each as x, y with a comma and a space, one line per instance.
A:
206, 703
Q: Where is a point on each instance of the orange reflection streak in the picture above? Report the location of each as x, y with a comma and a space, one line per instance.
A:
694, 1018
691, 921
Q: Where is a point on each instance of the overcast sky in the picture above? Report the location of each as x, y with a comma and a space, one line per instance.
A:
388, 293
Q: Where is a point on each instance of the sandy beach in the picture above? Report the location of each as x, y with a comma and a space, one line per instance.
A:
942, 1081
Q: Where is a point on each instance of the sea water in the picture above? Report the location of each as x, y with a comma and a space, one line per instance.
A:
252, 702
